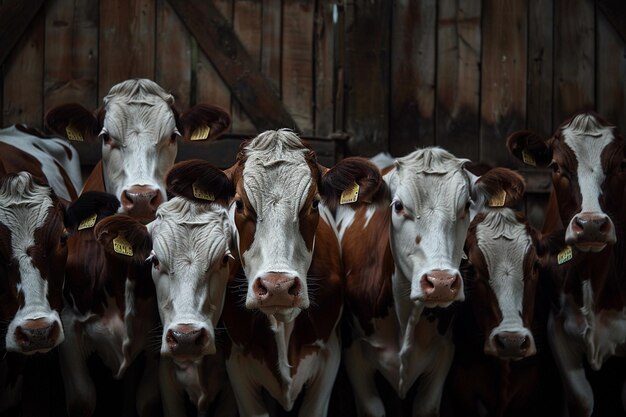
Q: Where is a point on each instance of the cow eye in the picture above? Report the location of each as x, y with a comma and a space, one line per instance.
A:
64, 236
238, 204
398, 206
315, 204
555, 167
106, 138
175, 134
152, 259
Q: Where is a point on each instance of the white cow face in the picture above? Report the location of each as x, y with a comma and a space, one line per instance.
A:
430, 216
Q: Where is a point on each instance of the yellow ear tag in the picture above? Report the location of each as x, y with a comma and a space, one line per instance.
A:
528, 158
497, 200
201, 133
202, 194
88, 223
73, 133
350, 195
122, 246
565, 255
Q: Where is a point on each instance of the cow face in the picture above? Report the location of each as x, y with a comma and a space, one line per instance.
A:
276, 210
188, 246
34, 226
138, 128
586, 155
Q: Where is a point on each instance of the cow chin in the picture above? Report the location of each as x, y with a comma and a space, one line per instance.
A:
590, 246
281, 314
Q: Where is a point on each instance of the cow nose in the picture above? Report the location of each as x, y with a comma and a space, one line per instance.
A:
513, 345
187, 339
141, 200
591, 230
440, 286
277, 289
591, 224
38, 334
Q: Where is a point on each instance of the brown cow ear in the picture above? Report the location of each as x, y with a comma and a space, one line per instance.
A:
73, 122
352, 181
529, 148
124, 237
199, 181
499, 187
203, 122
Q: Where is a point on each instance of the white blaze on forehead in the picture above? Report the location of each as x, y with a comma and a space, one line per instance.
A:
504, 243
587, 139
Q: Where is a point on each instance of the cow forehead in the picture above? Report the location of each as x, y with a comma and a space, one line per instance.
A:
150, 122
501, 238
587, 137
25, 205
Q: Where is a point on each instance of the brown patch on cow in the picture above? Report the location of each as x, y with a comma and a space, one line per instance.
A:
66, 180
15, 160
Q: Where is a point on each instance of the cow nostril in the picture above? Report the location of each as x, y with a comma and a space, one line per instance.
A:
499, 343
525, 344
127, 199
605, 226
170, 338
202, 338
259, 288
295, 288
21, 337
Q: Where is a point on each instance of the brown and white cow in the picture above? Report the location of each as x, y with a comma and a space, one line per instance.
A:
500, 367
188, 246
34, 226
588, 322
283, 305
110, 305
401, 259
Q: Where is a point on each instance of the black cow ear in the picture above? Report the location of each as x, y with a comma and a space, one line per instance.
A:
352, 181
73, 122
199, 181
124, 237
529, 148
90, 207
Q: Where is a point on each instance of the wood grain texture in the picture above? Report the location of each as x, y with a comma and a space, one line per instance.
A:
23, 78
504, 75
127, 42
324, 69
615, 12
15, 18
173, 54
217, 39
540, 67
574, 58
71, 54
413, 67
458, 77
272, 42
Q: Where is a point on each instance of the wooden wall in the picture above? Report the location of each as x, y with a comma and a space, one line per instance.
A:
388, 75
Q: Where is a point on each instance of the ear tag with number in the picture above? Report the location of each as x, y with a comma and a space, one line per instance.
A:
202, 194
565, 255
498, 200
350, 195
73, 133
528, 158
201, 133
88, 223
122, 246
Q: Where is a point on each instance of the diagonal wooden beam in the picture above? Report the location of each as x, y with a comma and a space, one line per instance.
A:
251, 88
15, 16
615, 12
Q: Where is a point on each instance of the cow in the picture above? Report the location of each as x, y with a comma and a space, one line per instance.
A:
35, 223
587, 324
500, 327
284, 301
401, 258
110, 305
188, 246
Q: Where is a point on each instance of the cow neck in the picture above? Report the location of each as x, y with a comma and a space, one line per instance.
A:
282, 335
406, 339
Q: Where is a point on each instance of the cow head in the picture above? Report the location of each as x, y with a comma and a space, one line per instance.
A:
34, 226
188, 245
277, 206
138, 127
502, 252
587, 157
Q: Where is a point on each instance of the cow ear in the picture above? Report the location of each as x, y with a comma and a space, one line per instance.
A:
199, 181
73, 122
204, 121
90, 207
352, 181
499, 187
124, 237
529, 148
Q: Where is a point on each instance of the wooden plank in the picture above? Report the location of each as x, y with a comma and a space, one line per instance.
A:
173, 54
247, 25
23, 78
297, 62
367, 75
15, 18
574, 58
458, 77
127, 41
611, 74
339, 65
413, 76
615, 13
324, 76
71, 54
540, 67
271, 30
250, 87
504, 77
209, 86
